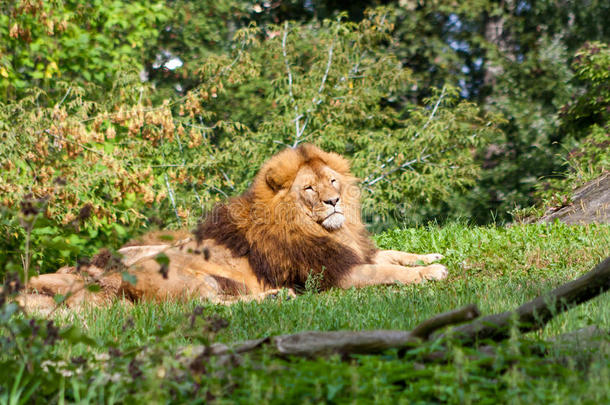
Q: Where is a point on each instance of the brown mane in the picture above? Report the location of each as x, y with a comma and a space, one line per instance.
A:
281, 246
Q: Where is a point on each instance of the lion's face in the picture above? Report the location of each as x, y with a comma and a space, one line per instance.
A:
308, 187
317, 191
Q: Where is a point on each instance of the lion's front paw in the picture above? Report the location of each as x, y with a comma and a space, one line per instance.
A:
286, 293
435, 272
432, 257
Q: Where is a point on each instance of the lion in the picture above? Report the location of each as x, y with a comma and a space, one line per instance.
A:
300, 218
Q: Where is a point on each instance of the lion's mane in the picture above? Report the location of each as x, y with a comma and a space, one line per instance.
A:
283, 247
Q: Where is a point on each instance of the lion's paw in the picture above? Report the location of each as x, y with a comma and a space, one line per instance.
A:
275, 293
435, 272
432, 257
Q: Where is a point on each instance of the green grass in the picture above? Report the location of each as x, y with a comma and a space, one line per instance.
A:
496, 268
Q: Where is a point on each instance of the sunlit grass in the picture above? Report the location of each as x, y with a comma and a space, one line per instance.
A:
496, 268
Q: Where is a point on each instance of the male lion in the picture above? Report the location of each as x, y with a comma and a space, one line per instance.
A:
300, 217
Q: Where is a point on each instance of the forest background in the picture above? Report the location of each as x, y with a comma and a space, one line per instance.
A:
117, 117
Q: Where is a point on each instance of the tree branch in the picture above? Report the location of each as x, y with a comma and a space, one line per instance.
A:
170, 191
64, 97
288, 71
536, 313
417, 134
297, 117
438, 102
317, 100
316, 343
328, 63
427, 327
402, 166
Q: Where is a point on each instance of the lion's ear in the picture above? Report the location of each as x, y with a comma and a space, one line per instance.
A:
274, 179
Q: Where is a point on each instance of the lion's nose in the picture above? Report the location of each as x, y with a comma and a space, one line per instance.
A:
332, 201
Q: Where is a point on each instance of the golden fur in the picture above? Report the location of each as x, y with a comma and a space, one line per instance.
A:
300, 217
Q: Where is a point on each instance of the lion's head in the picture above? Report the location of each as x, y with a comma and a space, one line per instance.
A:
316, 191
308, 185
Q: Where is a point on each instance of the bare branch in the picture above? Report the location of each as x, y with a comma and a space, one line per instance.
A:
316, 343
65, 96
229, 182
417, 134
290, 93
395, 169
219, 190
171, 165
328, 64
298, 139
438, 102
281, 143
170, 191
297, 128
288, 71
427, 327
317, 100
203, 127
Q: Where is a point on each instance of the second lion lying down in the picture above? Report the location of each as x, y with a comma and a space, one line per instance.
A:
300, 217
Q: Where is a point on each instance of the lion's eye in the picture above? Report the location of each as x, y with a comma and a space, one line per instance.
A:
333, 181
309, 188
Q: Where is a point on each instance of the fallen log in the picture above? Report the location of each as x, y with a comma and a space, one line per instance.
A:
528, 317
535, 314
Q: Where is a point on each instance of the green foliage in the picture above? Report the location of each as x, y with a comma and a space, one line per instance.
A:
446, 109
197, 30
53, 245
193, 32
42, 42
503, 57
591, 66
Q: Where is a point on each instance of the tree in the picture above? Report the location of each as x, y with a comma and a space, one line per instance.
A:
584, 124
512, 58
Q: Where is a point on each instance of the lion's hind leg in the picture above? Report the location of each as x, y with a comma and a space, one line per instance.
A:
375, 274
73, 288
405, 259
258, 297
